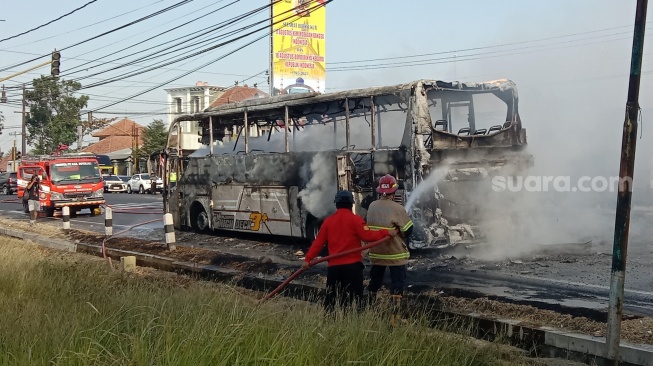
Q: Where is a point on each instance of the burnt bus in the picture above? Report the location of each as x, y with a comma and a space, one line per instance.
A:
273, 165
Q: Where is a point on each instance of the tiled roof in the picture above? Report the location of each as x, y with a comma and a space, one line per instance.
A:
111, 144
238, 94
3, 162
120, 128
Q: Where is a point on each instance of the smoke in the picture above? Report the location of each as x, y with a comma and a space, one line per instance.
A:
318, 195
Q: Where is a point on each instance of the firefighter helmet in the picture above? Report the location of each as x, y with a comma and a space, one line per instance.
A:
387, 185
344, 196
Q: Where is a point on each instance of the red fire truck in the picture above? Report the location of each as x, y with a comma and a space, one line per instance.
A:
72, 180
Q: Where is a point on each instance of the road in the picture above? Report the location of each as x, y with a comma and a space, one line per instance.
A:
129, 209
564, 279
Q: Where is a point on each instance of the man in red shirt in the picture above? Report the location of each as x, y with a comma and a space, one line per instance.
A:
343, 231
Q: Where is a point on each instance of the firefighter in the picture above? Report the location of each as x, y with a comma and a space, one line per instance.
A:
384, 214
343, 231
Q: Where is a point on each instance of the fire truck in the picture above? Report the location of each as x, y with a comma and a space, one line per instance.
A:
72, 180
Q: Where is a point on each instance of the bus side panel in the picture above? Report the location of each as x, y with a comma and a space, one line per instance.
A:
275, 211
262, 210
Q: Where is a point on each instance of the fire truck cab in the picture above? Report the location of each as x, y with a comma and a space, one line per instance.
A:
66, 180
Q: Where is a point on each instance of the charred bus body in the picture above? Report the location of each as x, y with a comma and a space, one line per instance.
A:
276, 163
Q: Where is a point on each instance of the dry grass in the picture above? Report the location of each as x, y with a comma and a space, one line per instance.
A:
70, 309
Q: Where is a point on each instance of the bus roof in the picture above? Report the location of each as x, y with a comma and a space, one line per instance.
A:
280, 101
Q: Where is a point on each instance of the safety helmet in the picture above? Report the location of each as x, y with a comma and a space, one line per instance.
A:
387, 185
344, 196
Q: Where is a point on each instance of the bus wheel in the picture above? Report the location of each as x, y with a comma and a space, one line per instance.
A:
198, 217
312, 227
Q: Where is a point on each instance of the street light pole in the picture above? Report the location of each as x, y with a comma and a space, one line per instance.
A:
624, 196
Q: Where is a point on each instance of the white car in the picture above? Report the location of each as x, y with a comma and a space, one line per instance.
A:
142, 183
113, 183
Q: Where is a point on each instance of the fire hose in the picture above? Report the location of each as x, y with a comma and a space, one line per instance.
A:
104, 254
142, 210
320, 260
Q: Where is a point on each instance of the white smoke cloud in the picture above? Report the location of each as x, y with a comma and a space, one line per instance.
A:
321, 188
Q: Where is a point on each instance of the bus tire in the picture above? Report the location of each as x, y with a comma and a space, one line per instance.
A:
199, 220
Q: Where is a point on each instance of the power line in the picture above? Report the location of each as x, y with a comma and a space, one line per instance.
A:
86, 26
212, 61
150, 38
183, 2
158, 53
50, 22
473, 56
188, 56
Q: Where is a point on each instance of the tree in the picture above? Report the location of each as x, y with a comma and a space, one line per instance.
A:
96, 124
155, 138
54, 113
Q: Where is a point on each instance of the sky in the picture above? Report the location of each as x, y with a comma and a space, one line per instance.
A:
569, 59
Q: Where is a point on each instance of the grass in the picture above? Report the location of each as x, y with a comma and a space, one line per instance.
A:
69, 309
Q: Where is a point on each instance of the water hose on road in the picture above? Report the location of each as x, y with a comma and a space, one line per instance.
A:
104, 241
320, 260
133, 210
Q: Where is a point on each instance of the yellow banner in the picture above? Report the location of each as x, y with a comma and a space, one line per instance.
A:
298, 46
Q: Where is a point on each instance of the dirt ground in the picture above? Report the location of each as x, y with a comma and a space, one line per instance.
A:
281, 260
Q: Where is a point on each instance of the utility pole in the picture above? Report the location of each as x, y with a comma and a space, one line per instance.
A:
624, 196
13, 152
135, 149
23, 144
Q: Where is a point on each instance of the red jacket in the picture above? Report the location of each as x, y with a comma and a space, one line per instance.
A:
343, 231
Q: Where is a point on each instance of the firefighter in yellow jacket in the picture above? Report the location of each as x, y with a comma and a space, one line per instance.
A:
385, 213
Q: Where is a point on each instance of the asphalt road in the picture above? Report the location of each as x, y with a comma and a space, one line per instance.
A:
128, 210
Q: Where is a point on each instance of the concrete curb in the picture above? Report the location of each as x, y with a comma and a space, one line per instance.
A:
548, 342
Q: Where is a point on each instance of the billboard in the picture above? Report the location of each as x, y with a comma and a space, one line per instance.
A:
298, 46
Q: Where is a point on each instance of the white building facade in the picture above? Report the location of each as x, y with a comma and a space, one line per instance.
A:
187, 100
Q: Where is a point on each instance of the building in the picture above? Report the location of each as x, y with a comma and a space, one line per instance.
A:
198, 98
187, 100
117, 141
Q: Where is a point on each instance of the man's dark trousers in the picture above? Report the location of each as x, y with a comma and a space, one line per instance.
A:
344, 285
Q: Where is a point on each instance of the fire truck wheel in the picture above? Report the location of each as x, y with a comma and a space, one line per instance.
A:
49, 211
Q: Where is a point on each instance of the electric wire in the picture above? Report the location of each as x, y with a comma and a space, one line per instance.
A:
212, 61
153, 55
84, 27
149, 16
48, 23
149, 39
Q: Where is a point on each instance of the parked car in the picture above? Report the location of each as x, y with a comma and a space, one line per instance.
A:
113, 183
142, 183
8, 182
